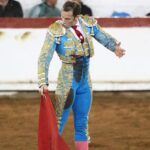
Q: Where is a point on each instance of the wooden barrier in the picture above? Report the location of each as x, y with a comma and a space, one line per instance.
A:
45, 22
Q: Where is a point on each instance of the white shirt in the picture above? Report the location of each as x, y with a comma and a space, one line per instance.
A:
78, 28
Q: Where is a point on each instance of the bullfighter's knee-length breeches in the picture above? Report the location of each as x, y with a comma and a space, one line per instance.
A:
74, 93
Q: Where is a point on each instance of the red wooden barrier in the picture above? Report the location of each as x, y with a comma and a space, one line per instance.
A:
45, 22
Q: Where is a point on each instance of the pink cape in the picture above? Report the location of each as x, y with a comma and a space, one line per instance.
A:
48, 136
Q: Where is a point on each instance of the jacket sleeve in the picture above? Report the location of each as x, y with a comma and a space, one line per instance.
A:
104, 38
44, 59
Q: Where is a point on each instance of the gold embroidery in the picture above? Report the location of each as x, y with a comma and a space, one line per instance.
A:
67, 59
70, 35
42, 58
74, 48
91, 46
89, 21
79, 48
64, 84
70, 52
69, 44
56, 29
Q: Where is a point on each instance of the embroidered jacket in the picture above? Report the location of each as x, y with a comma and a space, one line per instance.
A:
68, 47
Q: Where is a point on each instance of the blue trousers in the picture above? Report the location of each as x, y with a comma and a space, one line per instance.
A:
79, 100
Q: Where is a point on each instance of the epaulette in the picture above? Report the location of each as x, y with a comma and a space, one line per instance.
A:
89, 21
56, 29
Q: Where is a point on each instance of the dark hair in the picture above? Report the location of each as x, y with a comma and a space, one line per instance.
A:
73, 6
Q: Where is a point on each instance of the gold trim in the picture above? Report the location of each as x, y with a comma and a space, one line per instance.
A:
56, 29
89, 21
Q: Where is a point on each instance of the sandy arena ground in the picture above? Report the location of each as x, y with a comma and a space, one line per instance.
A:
118, 121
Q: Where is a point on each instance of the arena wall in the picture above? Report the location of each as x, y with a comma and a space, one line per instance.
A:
22, 39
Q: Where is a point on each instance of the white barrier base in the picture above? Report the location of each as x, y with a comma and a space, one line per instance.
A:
109, 86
